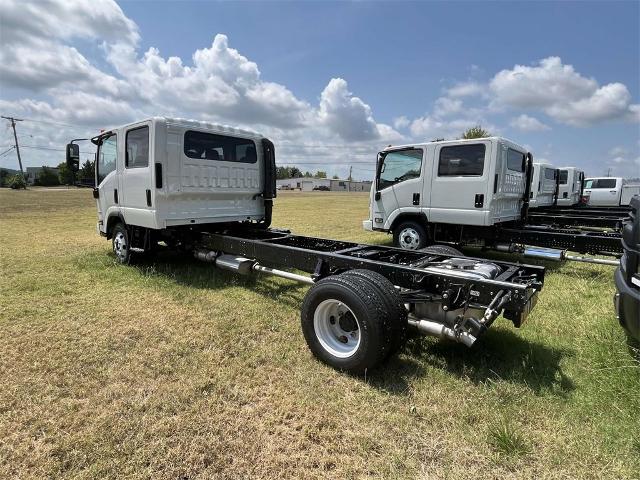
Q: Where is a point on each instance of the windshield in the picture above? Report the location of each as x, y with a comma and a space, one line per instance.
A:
399, 166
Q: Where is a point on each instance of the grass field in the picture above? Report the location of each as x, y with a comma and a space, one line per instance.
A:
171, 369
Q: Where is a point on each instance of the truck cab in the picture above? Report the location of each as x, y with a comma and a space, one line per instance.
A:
158, 176
477, 182
570, 184
543, 185
603, 192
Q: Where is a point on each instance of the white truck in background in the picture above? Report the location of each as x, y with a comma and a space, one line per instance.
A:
422, 190
608, 192
543, 185
570, 184
472, 192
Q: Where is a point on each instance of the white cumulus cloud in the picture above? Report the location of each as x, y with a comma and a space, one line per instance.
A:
526, 123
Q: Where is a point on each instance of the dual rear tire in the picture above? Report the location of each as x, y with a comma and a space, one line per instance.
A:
353, 321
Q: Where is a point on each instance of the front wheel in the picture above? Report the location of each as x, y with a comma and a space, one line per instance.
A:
410, 236
121, 245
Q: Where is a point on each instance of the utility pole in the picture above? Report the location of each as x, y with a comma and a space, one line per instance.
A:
350, 170
15, 136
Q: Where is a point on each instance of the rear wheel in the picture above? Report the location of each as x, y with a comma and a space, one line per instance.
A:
393, 303
347, 323
410, 236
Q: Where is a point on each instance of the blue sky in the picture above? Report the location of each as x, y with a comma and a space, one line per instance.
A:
332, 82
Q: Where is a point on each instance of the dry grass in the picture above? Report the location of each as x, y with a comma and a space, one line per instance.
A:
171, 369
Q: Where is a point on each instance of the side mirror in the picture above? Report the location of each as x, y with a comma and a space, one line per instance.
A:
73, 157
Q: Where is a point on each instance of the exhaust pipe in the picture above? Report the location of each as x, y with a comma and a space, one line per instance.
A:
439, 330
245, 266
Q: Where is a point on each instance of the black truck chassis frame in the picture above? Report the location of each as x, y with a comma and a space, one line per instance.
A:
412, 271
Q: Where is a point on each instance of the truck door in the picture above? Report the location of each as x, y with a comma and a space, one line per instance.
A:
137, 199
107, 178
399, 184
460, 184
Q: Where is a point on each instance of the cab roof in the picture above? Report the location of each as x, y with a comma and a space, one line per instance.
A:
457, 142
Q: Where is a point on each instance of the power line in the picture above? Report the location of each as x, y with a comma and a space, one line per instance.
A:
7, 151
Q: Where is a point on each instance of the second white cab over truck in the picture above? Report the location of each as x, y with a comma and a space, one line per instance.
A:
471, 192
544, 187
570, 183
208, 189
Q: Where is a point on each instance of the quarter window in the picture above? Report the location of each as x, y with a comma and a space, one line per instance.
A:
462, 160
515, 160
137, 142
399, 166
107, 154
209, 146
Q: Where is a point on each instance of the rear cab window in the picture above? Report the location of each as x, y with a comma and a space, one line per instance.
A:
209, 146
462, 160
137, 144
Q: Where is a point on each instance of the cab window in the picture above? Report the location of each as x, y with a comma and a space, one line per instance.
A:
137, 143
107, 155
209, 146
398, 166
462, 161
516, 160
564, 174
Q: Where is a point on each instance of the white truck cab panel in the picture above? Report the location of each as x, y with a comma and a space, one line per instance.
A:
543, 185
163, 172
467, 182
603, 192
571, 180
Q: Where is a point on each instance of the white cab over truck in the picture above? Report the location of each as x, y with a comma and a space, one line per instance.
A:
570, 183
161, 174
608, 192
427, 189
544, 185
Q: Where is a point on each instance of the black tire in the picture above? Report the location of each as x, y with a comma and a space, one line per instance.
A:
120, 244
443, 249
393, 303
373, 322
410, 235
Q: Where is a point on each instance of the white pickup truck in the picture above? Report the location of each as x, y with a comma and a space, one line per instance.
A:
608, 192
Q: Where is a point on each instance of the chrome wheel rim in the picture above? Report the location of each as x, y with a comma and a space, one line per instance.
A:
336, 328
409, 239
120, 246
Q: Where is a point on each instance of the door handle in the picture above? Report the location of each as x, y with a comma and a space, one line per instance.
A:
115, 195
416, 199
612, 191
148, 198
479, 202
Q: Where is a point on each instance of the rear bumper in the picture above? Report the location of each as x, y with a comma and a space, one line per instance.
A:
627, 303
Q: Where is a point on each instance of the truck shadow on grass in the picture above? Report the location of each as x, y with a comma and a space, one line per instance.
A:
500, 355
